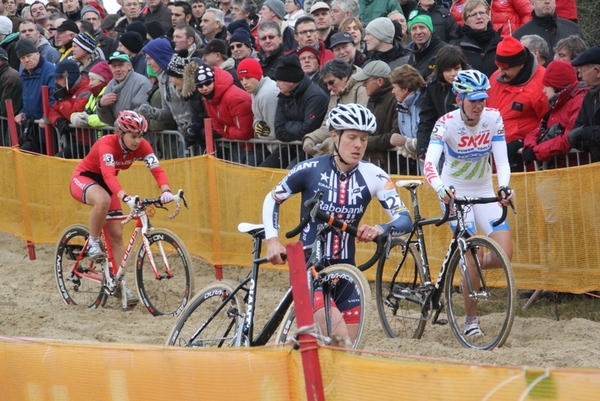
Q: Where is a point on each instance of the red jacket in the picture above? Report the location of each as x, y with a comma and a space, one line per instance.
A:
565, 111
567, 9
521, 106
75, 101
507, 15
230, 108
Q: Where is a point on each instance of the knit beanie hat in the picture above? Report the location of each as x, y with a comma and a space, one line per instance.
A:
416, 18
382, 29
90, 9
6, 25
3, 55
177, 64
559, 74
277, 7
242, 36
299, 4
69, 70
204, 75
250, 67
101, 71
161, 51
139, 27
24, 47
97, 6
155, 29
132, 41
85, 41
238, 23
288, 69
510, 52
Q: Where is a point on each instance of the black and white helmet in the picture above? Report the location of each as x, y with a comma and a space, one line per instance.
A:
352, 116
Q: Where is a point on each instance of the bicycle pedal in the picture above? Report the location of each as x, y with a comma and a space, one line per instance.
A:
441, 322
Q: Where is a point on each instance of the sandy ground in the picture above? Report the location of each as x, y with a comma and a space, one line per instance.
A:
30, 306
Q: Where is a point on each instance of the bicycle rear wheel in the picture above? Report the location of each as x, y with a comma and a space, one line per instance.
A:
340, 277
207, 321
168, 293
78, 278
496, 299
399, 301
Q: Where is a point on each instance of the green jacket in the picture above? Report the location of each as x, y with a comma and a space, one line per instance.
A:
371, 9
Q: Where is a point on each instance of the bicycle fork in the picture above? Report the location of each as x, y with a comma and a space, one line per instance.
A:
466, 275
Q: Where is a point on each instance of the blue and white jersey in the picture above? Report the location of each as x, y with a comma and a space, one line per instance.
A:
467, 153
345, 196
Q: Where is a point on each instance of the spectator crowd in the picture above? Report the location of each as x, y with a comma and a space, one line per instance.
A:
268, 74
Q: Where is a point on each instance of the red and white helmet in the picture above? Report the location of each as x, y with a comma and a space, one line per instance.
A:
130, 121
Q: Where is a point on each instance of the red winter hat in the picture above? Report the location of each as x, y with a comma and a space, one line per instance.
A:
559, 74
510, 52
250, 67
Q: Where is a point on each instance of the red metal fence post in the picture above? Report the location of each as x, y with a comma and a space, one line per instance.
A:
12, 125
48, 127
304, 317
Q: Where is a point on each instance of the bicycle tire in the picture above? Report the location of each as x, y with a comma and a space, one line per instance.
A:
167, 295
221, 330
349, 275
495, 312
399, 303
79, 284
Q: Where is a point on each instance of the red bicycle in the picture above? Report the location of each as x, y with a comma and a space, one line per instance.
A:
162, 269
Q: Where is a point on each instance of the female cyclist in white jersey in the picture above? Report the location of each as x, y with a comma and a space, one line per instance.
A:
467, 137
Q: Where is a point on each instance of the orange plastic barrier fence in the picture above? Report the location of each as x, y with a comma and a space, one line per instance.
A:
556, 232
72, 371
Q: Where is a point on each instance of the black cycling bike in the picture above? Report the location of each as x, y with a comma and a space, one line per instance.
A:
407, 297
222, 314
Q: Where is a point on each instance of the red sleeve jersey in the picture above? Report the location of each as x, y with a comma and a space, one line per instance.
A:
107, 157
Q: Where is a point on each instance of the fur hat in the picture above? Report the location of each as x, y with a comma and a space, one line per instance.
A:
510, 53
559, 74
288, 69
382, 29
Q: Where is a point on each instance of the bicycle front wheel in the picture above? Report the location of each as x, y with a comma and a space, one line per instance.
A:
208, 322
397, 291
495, 295
163, 275
79, 279
339, 281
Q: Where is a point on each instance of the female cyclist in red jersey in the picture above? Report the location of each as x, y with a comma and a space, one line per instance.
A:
94, 181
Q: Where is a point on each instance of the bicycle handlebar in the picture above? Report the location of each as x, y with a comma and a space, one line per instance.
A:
142, 204
467, 200
312, 205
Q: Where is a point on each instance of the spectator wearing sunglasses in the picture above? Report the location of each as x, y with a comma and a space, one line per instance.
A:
240, 45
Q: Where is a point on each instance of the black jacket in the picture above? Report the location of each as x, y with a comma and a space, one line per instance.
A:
268, 63
587, 125
438, 100
444, 24
552, 29
423, 59
383, 105
395, 57
301, 112
479, 48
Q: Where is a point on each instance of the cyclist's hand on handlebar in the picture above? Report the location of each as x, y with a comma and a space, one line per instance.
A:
132, 201
445, 194
274, 251
506, 194
166, 197
367, 233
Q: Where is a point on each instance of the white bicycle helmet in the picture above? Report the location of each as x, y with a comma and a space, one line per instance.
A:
471, 84
352, 116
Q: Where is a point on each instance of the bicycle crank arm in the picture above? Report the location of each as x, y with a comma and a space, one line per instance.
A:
436, 319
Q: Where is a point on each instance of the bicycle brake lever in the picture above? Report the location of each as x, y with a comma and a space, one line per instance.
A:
512, 206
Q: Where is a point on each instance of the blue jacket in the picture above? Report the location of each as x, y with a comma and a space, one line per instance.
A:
32, 88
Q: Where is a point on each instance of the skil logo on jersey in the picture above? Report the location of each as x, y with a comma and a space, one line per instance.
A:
430, 172
109, 160
475, 141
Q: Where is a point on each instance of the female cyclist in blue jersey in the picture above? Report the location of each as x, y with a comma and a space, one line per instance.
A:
349, 185
467, 137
